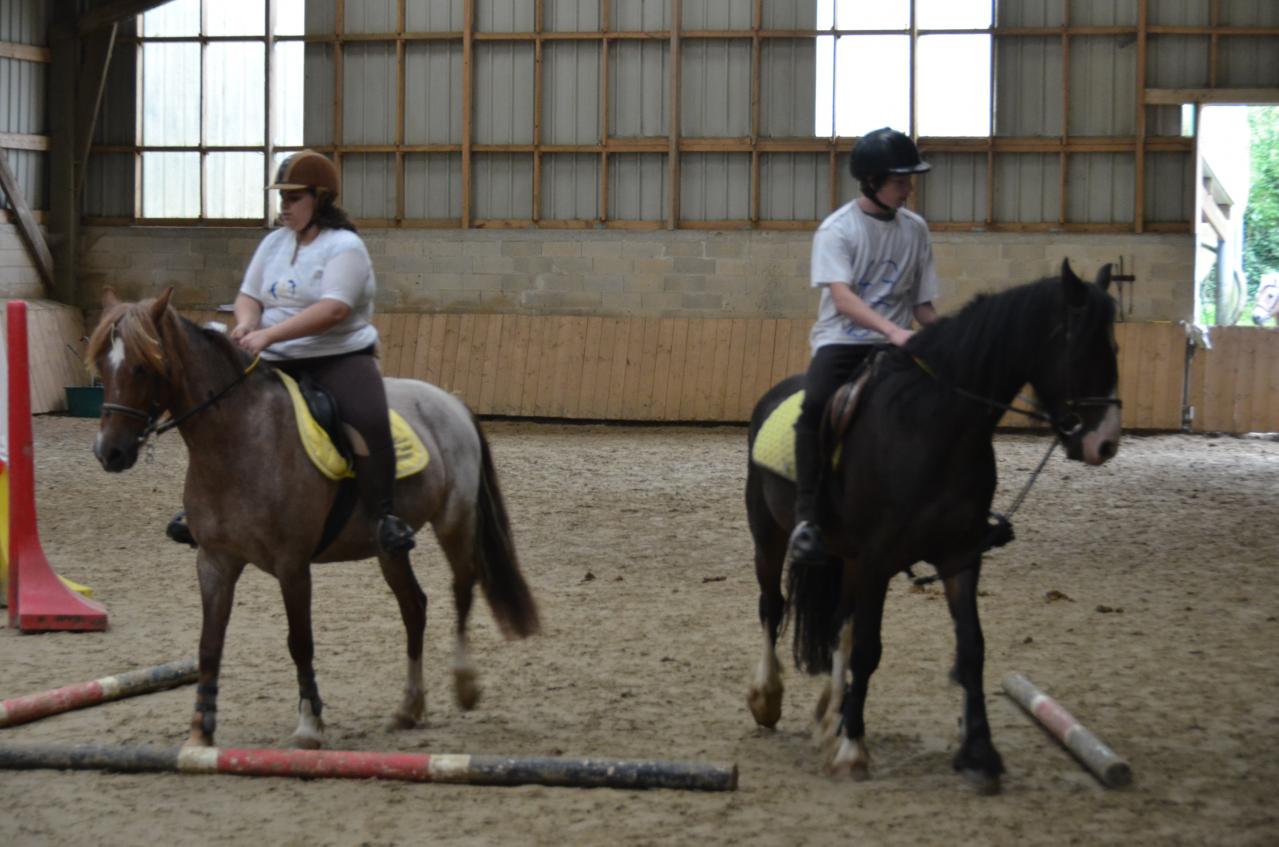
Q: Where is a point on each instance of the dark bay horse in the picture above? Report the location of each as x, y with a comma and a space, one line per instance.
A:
914, 484
253, 496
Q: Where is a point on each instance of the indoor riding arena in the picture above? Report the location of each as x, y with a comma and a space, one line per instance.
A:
591, 222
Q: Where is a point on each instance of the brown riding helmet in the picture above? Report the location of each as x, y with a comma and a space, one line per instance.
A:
308, 169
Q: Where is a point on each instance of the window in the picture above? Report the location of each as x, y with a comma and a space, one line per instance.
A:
865, 64
207, 128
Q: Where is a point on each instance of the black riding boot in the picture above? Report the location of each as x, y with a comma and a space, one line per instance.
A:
806, 544
178, 531
375, 480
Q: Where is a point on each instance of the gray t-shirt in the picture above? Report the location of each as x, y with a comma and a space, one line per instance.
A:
887, 263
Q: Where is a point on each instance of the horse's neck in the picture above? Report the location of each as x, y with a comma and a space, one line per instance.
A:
206, 372
1004, 361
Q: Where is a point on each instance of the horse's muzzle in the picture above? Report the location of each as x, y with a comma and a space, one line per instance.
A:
115, 458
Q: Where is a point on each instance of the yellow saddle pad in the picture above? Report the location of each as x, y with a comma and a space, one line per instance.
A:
774, 446
410, 453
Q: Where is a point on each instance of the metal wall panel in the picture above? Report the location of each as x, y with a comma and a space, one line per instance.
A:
25, 21
788, 78
717, 14
22, 96
321, 17
1027, 188
570, 186
1163, 121
433, 185
637, 94
1028, 96
1103, 86
434, 16
368, 185
1179, 13
433, 93
1170, 187
1250, 13
788, 14
28, 168
637, 187
503, 16
368, 93
637, 15
371, 16
318, 94
715, 186
1177, 62
794, 186
503, 93
1100, 188
571, 93
954, 190
503, 186
1249, 62
1104, 12
1031, 13
571, 15
108, 185
715, 81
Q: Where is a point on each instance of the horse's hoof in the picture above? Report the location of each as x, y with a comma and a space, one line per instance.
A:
306, 742
765, 705
985, 784
399, 721
466, 688
197, 741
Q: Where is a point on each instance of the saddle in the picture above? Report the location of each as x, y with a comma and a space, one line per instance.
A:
774, 447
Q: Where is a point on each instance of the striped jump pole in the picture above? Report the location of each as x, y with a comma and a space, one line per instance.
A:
409, 767
1105, 764
32, 707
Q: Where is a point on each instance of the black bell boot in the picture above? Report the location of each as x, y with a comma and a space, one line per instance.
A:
807, 546
178, 531
375, 480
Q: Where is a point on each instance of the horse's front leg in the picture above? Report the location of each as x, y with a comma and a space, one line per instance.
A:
295, 585
851, 758
977, 759
217, 576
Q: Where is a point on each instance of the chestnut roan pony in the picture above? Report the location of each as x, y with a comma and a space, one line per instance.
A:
914, 482
253, 496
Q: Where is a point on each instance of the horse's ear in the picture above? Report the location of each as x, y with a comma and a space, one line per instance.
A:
1103, 276
161, 303
1072, 285
109, 298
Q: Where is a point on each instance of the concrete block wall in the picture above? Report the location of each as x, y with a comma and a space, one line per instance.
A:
19, 279
685, 273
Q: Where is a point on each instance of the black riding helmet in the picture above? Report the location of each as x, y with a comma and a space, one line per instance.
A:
880, 153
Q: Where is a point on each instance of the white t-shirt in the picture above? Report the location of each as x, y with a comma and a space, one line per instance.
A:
887, 263
335, 266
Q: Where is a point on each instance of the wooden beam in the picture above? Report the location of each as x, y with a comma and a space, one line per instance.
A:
31, 234
1213, 215
23, 141
24, 52
95, 61
1178, 96
111, 13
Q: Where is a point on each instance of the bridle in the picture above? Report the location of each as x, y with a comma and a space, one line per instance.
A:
150, 417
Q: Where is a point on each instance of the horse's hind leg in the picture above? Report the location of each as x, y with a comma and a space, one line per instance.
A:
295, 586
217, 593
765, 694
851, 757
764, 697
398, 573
977, 758
458, 543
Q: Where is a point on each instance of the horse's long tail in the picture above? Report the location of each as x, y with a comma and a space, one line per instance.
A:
813, 593
499, 569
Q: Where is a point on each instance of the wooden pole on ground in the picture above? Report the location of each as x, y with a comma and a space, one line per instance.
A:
1105, 764
30, 707
411, 767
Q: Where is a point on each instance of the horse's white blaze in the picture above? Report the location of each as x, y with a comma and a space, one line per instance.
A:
115, 357
1106, 433
309, 726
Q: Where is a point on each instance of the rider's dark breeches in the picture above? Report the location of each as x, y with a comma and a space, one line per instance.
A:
831, 367
355, 382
